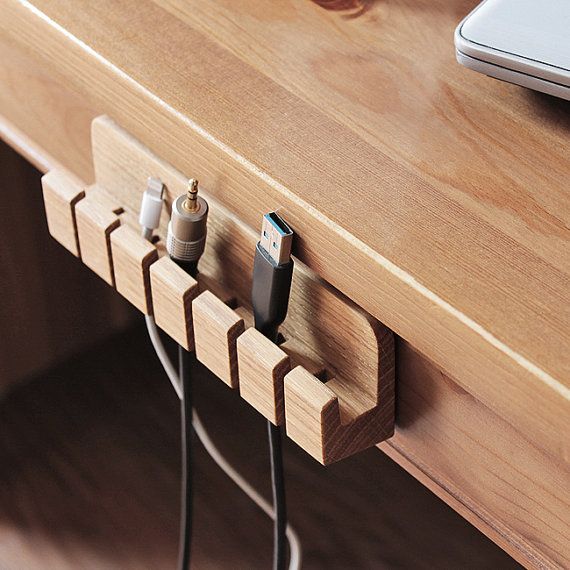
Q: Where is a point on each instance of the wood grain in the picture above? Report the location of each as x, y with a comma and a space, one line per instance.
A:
132, 257
61, 193
362, 386
449, 272
96, 219
501, 482
28, 148
216, 329
173, 291
485, 509
476, 511
45, 112
329, 420
354, 7
262, 368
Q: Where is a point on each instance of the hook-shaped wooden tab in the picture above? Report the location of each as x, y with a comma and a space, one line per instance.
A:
61, 192
262, 368
328, 420
132, 257
216, 329
96, 218
173, 291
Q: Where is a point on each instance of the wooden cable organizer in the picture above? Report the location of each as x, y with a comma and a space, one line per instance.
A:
330, 381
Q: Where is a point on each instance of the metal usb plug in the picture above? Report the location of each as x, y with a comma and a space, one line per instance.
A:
272, 275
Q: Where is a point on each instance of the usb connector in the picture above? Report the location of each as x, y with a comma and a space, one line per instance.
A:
276, 238
272, 274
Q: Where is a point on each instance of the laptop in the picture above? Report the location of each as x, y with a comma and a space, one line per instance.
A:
526, 42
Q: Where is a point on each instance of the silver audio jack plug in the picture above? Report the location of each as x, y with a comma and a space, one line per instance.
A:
186, 236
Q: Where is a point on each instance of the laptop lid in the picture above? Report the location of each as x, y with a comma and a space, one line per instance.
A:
528, 37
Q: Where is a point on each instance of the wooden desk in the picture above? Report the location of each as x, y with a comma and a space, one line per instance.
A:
432, 196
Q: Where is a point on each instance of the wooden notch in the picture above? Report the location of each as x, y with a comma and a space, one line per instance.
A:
97, 216
61, 192
132, 256
173, 291
262, 368
216, 329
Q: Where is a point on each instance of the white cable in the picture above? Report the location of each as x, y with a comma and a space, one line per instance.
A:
162, 356
214, 452
292, 537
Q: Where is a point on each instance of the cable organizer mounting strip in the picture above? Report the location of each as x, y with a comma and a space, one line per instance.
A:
330, 381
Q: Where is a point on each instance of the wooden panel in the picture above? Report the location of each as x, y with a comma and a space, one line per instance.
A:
350, 70
43, 111
480, 465
482, 304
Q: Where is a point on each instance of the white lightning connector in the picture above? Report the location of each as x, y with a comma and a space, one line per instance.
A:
151, 206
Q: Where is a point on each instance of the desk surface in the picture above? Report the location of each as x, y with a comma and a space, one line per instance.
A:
433, 196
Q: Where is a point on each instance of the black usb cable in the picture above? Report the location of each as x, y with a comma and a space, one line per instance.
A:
272, 275
185, 243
